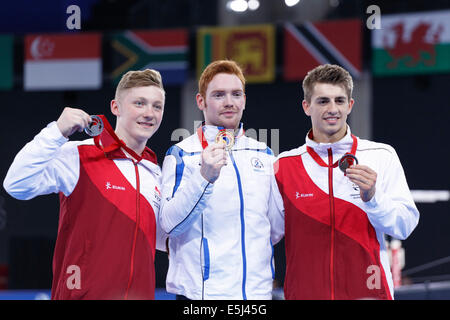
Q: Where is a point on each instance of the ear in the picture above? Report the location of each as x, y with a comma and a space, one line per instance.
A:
306, 107
115, 108
200, 101
350, 106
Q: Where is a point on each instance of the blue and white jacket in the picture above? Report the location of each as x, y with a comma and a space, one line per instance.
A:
221, 240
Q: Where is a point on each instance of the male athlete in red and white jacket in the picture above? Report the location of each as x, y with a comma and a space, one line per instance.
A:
109, 194
335, 222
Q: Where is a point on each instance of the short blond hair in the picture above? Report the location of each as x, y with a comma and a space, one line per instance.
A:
327, 73
142, 78
219, 66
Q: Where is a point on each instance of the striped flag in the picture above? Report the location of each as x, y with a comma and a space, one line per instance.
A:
63, 61
311, 44
413, 43
164, 50
252, 47
6, 62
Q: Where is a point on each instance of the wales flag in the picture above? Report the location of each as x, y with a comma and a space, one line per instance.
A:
6, 62
413, 43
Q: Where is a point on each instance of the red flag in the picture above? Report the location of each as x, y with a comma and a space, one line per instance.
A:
311, 44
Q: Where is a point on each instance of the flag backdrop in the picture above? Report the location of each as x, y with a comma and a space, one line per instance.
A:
252, 47
412, 43
63, 61
6, 62
163, 50
308, 45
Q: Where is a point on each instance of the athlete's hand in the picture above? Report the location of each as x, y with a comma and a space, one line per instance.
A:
72, 120
365, 178
214, 157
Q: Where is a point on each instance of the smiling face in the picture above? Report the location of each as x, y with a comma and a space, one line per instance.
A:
223, 102
139, 112
328, 108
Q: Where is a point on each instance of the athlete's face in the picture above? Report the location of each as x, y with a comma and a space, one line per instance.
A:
224, 101
328, 109
139, 113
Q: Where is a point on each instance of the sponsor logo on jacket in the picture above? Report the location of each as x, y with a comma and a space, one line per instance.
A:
257, 164
157, 196
109, 185
303, 195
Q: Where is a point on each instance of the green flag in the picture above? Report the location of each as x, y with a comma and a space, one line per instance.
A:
6, 62
163, 50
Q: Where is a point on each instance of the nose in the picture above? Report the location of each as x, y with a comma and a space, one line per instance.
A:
228, 100
149, 112
332, 107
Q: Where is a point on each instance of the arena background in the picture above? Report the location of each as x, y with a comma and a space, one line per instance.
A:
409, 112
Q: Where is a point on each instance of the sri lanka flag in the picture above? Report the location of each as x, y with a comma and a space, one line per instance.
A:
252, 47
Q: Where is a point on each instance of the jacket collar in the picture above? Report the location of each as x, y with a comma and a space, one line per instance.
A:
340, 147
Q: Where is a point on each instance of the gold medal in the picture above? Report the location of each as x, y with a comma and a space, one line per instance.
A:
225, 137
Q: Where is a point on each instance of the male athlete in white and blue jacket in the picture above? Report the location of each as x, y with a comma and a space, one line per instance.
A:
216, 204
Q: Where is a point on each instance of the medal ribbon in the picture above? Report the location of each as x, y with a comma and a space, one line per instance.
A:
322, 163
202, 138
118, 143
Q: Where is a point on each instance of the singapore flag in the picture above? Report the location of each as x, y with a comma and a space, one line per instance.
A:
63, 61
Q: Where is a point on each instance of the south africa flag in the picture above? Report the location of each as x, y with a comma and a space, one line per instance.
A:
164, 50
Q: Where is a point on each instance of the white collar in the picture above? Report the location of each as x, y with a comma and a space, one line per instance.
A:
339, 147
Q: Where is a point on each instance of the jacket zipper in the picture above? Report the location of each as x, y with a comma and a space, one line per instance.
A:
241, 200
332, 222
138, 211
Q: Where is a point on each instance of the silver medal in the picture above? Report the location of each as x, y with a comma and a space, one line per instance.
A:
95, 127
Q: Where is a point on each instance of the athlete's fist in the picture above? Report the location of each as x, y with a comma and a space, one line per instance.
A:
72, 120
365, 178
214, 157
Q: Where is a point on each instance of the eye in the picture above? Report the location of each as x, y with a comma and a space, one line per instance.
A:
139, 103
158, 106
238, 94
218, 94
341, 100
322, 101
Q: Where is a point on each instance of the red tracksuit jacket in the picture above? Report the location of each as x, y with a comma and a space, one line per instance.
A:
109, 203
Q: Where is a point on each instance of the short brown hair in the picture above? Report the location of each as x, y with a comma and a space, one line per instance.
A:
132, 79
219, 66
327, 73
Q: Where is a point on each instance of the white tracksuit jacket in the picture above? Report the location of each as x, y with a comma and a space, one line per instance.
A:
335, 241
220, 246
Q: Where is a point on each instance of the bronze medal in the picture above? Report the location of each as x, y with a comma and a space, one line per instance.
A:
346, 161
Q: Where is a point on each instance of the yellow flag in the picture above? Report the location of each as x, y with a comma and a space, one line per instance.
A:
252, 47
